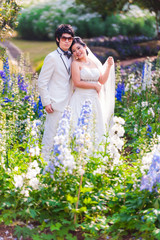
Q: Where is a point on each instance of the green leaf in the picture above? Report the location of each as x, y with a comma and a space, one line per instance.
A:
57, 226
156, 233
71, 199
70, 237
86, 189
156, 204
36, 237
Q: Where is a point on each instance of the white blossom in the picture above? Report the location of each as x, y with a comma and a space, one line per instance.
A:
18, 181
34, 183
150, 111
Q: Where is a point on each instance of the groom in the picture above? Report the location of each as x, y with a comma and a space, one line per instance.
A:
54, 85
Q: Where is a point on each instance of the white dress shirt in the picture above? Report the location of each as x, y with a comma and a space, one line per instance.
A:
65, 58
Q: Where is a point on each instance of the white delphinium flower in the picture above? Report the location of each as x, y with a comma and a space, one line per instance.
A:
33, 132
33, 170
115, 140
116, 159
147, 158
34, 183
118, 120
150, 111
100, 170
2, 163
131, 79
34, 151
18, 181
118, 142
25, 192
34, 164
136, 128
117, 130
105, 159
16, 169
81, 171
144, 104
62, 156
147, 75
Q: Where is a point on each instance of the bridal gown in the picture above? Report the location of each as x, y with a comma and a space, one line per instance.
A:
80, 95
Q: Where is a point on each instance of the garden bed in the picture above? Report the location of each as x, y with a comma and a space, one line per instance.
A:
114, 199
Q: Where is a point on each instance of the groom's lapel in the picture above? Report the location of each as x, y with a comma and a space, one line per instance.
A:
68, 69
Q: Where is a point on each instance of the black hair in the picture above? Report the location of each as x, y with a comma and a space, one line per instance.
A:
80, 41
63, 28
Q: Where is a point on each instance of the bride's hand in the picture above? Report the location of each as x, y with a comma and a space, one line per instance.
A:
98, 87
110, 61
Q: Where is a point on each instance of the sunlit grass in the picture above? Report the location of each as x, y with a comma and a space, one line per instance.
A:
37, 50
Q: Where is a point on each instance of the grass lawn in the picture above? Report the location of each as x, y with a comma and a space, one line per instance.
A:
37, 50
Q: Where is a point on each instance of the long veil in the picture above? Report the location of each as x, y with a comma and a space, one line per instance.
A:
107, 93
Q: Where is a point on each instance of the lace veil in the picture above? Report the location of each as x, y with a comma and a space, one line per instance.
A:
107, 93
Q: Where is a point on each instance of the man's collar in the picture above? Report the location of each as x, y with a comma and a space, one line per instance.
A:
60, 50
66, 53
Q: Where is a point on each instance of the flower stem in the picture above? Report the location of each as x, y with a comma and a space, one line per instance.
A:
79, 190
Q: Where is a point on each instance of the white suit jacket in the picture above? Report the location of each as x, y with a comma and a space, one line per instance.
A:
54, 82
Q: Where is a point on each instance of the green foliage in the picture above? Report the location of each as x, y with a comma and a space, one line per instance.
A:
8, 14
43, 205
104, 7
41, 21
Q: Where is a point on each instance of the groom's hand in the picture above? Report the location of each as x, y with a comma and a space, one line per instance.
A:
49, 108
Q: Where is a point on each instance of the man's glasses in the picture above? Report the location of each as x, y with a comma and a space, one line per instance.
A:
64, 39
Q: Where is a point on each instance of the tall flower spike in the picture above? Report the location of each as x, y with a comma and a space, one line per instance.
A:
61, 155
146, 75
7, 78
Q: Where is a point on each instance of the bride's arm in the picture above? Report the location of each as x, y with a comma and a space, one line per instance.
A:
77, 79
103, 78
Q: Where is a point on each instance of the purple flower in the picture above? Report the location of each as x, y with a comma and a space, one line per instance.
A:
21, 84
138, 150
153, 176
6, 100
26, 98
149, 129
120, 91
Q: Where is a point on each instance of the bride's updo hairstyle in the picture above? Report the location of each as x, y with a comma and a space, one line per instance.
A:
80, 41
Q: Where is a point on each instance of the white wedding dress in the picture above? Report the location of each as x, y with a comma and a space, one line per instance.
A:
80, 95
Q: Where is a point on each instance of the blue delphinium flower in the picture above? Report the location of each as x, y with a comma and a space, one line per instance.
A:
153, 176
40, 108
83, 125
85, 114
6, 100
143, 72
34, 105
61, 154
149, 130
21, 83
27, 97
120, 91
6, 76
138, 150
2, 74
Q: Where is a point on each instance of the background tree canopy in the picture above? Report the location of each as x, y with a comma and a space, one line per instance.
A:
107, 7
8, 15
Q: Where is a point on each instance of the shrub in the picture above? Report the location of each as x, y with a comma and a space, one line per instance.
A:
41, 21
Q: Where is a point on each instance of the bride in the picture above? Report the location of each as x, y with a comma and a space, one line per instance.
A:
95, 82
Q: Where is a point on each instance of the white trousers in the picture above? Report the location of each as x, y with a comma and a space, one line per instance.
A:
50, 128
